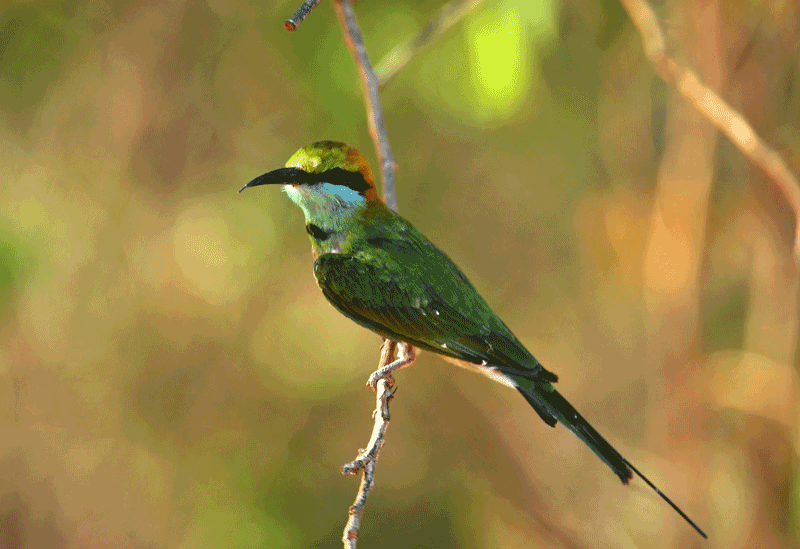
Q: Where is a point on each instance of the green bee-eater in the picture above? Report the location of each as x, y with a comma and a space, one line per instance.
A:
378, 270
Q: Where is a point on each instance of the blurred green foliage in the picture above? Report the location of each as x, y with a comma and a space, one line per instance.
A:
12, 268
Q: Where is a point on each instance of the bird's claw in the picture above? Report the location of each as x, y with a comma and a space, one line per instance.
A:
375, 377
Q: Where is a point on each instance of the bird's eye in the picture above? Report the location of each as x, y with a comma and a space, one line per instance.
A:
317, 232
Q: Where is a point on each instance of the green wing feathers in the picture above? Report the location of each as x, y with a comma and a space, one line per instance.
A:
552, 407
408, 290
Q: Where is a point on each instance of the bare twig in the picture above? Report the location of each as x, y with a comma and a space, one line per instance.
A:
369, 81
450, 14
722, 115
301, 13
366, 461
382, 381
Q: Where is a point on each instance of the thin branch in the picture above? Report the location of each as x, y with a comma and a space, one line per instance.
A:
722, 115
368, 457
450, 14
301, 13
369, 82
366, 461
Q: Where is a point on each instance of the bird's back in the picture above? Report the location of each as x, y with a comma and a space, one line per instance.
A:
391, 279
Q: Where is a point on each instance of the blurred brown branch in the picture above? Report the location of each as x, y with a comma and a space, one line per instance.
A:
450, 14
714, 108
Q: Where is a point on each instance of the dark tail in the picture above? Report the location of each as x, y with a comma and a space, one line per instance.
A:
552, 407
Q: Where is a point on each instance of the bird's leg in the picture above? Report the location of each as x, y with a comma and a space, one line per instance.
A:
406, 355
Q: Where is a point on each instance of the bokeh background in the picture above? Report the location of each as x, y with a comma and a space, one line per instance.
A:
171, 377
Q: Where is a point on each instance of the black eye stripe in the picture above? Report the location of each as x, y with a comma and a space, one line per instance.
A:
318, 232
336, 176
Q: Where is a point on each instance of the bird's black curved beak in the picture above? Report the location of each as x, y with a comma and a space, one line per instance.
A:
281, 175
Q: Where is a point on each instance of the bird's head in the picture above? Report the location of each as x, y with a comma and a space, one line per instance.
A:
329, 180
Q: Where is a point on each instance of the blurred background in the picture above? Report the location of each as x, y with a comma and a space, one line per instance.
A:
171, 376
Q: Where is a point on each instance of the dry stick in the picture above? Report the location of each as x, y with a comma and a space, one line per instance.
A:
377, 126
381, 381
450, 14
301, 13
722, 115
368, 457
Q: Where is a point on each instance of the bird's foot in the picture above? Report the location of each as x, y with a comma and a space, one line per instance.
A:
406, 355
378, 375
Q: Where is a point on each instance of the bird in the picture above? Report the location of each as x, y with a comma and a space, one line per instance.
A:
377, 269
